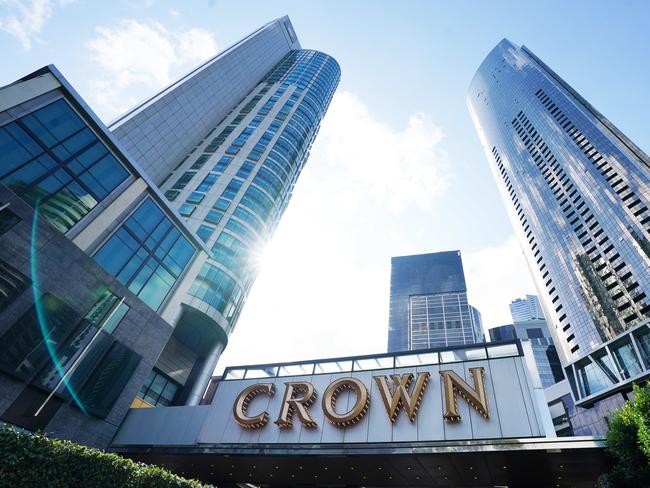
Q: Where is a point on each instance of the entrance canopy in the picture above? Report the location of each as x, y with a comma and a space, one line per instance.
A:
562, 462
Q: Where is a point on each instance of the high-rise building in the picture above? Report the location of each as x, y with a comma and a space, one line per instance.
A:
527, 308
428, 303
576, 190
126, 254
226, 144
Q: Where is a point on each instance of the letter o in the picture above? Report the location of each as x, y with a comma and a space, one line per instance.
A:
359, 409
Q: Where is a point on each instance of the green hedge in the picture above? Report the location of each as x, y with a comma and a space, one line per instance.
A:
34, 460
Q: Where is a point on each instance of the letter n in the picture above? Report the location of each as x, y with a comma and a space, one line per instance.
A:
452, 384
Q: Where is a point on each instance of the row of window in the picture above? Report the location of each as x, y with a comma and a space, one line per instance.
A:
56, 163
147, 254
582, 220
617, 182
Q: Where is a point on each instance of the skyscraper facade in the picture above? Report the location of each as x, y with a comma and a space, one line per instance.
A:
228, 165
584, 225
428, 303
527, 308
576, 190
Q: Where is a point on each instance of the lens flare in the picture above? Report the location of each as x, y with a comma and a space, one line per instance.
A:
41, 316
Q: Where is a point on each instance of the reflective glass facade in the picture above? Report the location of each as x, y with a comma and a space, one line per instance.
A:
147, 253
576, 190
234, 187
428, 303
56, 163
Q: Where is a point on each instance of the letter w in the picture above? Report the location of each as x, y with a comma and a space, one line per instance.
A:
400, 397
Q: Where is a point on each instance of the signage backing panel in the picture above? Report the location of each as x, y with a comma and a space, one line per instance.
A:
513, 411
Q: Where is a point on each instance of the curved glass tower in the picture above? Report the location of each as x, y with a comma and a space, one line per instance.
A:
225, 144
234, 187
576, 190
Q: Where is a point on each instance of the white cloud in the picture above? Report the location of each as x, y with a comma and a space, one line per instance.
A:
26, 19
395, 168
324, 285
135, 58
495, 276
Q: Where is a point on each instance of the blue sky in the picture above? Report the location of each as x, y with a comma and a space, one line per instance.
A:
397, 168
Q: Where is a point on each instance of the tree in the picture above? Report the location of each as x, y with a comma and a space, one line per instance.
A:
628, 441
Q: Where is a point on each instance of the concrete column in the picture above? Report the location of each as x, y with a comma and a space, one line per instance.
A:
202, 380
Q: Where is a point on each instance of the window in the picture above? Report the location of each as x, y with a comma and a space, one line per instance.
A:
186, 209
213, 217
55, 162
205, 231
195, 197
218, 289
7, 218
158, 390
222, 204
172, 194
147, 254
183, 180
108, 312
12, 284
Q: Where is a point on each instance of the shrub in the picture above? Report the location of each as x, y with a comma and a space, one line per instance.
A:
35, 460
628, 442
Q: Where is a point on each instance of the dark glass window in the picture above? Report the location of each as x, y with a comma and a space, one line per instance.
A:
108, 312
147, 253
55, 162
7, 218
24, 349
158, 389
183, 180
12, 284
172, 194
232, 189
245, 170
535, 333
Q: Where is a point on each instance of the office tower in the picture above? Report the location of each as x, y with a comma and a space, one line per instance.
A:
107, 297
527, 308
428, 303
226, 144
576, 190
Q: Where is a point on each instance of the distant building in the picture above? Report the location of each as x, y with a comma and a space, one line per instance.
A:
428, 303
527, 308
536, 332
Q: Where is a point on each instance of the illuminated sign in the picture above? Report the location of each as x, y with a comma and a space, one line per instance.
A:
396, 394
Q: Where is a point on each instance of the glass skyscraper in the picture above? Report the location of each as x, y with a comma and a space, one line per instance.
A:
242, 127
428, 303
576, 190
